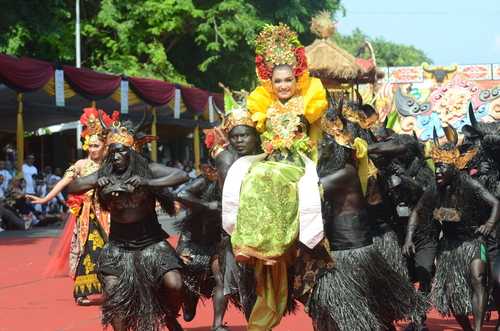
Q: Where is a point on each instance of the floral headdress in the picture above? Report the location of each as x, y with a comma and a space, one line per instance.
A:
450, 154
278, 44
93, 130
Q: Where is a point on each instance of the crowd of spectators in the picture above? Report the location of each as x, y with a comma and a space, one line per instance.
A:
16, 211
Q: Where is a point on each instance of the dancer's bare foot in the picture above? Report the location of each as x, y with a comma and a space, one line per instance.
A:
83, 301
220, 328
173, 325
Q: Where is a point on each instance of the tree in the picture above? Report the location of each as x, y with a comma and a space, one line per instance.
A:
200, 42
388, 54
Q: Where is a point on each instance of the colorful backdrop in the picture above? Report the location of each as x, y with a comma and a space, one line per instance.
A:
430, 96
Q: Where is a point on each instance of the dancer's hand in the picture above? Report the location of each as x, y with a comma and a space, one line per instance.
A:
213, 205
408, 248
136, 181
35, 200
186, 258
103, 181
486, 228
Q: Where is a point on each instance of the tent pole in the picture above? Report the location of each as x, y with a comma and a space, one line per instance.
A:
196, 146
154, 143
20, 133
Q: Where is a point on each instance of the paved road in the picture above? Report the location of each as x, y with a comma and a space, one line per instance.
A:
166, 222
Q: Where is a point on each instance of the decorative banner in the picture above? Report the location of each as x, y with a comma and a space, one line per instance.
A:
124, 96
59, 87
177, 104
476, 71
406, 74
211, 114
496, 71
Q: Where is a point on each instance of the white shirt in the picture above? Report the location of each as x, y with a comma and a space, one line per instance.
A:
7, 177
28, 172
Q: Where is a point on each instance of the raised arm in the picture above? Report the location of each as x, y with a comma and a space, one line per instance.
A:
71, 173
165, 176
65, 181
189, 195
83, 184
388, 148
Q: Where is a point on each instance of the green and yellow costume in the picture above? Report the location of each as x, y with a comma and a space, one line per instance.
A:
278, 202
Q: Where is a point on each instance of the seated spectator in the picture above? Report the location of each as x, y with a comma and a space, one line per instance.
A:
9, 166
9, 218
17, 201
7, 177
40, 191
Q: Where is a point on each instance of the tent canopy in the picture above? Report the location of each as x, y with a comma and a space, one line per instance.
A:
36, 80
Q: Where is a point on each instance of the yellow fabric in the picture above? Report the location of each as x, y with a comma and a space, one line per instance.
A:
315, 134
361, 148
272, 295
154, 144
312, 91
133, 99
20, 133
50, 89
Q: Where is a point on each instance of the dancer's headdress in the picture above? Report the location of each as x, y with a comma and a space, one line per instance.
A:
358, 112
332, 124
235, 111
93, 129
278, 44
126, 133
234, 114
449, 153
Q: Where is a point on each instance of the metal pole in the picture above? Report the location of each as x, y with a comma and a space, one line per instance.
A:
77, 34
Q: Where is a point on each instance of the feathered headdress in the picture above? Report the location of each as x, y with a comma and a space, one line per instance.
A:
93, 129
449, 153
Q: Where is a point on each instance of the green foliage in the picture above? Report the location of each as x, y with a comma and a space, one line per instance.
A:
198, 42
387, 53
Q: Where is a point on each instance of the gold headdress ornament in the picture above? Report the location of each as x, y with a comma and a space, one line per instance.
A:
335, 128
122, 132
365, 115
235, 112
93, 129
332, 124
451, 155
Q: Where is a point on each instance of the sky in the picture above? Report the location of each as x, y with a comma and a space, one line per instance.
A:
448, 31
